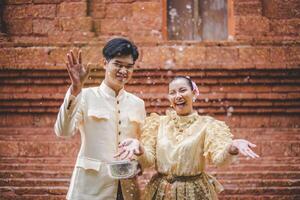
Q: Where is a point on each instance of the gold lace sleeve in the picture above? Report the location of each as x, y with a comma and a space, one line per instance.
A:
218, 139
148, 140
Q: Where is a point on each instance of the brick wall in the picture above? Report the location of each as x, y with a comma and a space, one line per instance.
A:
250, 80
265, 42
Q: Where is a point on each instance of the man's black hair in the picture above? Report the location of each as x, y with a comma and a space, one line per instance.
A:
120, 47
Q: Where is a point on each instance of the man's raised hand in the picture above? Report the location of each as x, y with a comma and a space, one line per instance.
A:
78, 72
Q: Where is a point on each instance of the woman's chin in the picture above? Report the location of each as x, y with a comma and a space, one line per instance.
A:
181, 110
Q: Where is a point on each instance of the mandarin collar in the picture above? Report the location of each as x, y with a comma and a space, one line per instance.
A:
109, 92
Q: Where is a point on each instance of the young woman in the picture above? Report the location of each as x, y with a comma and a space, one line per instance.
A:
180, 143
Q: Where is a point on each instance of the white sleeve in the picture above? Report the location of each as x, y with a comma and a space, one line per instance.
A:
69, 116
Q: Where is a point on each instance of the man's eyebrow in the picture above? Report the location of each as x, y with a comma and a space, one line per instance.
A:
128, 64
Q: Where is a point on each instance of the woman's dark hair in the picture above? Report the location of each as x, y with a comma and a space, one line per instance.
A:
186, 78
120, 47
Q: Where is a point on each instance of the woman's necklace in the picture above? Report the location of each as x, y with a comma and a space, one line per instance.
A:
181, 126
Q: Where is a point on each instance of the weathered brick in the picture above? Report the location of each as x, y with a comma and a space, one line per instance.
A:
252, 25
294, 54
8, 148
7, 57
119, 1
241, 95
278, 9
74, 36
76, 23
278, 54
189, 55
145, 16
276, 148
97, 10
38, 56
44, 26
274, 96
19, 27
72, 9
118, 10
256, 55
42, 11
145, 36
63, 148
286, 27
47, 1
92, 54
44, 120
15, 12
163, 57
109, 26
18, 1
33, 148
248, 8
224, 55
255, 121
16, 120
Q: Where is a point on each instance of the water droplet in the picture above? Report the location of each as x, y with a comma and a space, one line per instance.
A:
169, 64
230, 109
201, 110
247, 79
169, 73
173, 13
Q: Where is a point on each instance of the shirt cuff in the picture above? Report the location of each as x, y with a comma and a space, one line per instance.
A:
71, 100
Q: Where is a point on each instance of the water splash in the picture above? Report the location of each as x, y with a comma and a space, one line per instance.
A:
169, 64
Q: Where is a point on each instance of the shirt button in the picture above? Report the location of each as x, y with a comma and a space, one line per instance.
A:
118, 102
120, 122
119, 111
119, 132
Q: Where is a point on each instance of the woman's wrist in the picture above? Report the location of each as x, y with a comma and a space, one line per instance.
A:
141, 149
232, 150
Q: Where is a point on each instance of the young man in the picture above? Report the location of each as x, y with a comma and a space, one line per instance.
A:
105, 116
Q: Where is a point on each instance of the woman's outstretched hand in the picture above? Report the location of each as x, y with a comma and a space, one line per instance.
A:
128, 148
244, 147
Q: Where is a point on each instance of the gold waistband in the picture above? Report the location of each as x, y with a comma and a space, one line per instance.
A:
173, 178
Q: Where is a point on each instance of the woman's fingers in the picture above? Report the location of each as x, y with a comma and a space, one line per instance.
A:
252, 153
251, 144
137, 151
243, 152
130, 155
120, 153
125, 143
125, 155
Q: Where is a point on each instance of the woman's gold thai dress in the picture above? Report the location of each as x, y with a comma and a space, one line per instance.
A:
180, 146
